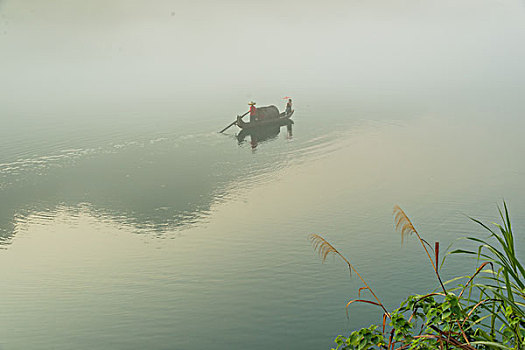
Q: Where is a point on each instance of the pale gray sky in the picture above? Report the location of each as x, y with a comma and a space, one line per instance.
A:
68, 49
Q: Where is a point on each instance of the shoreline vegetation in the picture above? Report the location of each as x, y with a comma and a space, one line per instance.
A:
484, 310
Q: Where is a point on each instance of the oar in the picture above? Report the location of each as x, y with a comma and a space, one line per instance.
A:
233, 123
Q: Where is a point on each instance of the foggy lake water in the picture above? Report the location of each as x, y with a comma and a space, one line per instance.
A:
128, 222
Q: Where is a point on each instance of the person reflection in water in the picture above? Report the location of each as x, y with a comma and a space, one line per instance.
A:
289, 106
253, 111
289, 131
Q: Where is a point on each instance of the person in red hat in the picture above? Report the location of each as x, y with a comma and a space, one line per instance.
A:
253, 111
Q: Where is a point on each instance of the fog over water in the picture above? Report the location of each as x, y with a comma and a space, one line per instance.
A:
76, 62
80, 51
128, 222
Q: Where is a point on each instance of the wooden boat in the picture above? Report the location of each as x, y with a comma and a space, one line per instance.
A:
282, 119
264, 133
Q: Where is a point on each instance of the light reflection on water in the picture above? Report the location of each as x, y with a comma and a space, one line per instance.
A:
155, 184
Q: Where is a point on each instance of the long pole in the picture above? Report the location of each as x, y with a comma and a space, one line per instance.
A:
233, 123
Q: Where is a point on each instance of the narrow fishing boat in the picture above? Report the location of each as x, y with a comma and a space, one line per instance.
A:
263, 116
268, 117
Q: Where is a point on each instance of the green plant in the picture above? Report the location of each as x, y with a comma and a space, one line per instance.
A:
485, 312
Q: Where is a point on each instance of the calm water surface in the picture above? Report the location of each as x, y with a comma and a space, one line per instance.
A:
154, 231
128, 222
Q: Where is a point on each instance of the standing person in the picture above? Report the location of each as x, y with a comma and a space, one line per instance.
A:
289, 106
253, 111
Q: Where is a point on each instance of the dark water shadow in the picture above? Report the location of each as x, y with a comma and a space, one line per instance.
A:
264, 133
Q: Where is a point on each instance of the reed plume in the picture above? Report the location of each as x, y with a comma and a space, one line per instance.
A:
324, 249
402, 223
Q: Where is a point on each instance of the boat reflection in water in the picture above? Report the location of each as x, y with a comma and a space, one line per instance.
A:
264, 133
